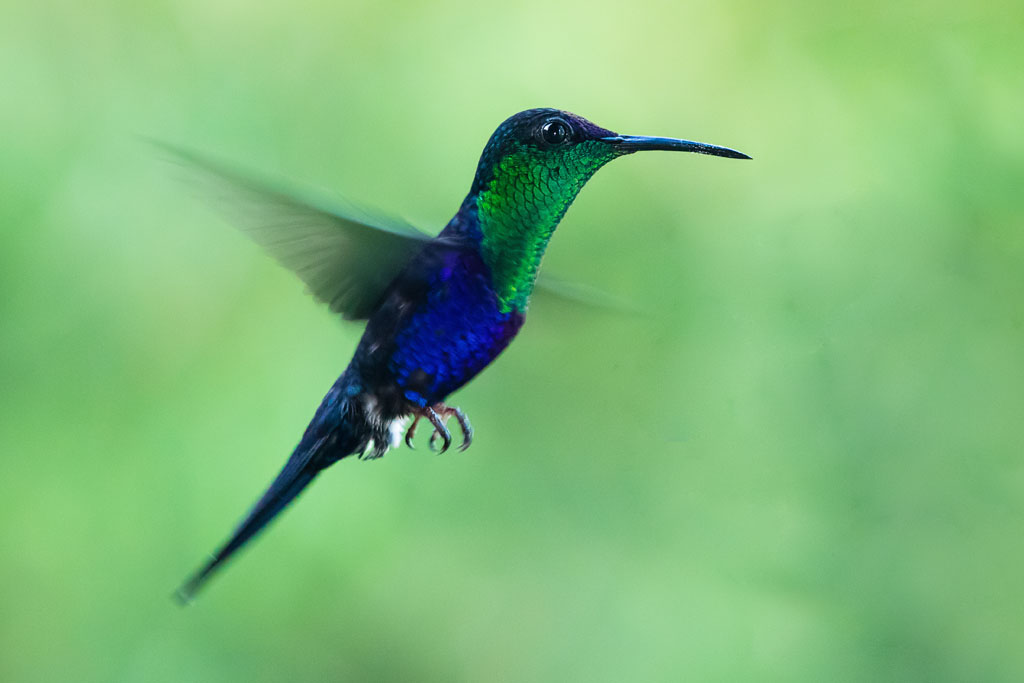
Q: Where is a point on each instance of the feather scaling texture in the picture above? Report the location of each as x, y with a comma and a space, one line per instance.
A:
522, 205
457, 332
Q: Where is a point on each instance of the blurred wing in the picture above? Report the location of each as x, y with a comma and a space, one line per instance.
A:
549, 287
346, 255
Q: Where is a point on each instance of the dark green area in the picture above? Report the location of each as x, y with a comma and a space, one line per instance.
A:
804, 465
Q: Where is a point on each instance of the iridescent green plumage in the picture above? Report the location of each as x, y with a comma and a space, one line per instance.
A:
519, 210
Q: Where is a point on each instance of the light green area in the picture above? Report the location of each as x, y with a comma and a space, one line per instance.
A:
804, 464
521, 205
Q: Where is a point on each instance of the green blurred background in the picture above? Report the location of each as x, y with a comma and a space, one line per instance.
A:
804, 465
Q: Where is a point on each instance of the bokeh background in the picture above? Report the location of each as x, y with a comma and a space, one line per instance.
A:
803, 462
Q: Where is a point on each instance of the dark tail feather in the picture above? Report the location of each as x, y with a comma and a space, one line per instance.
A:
298, 472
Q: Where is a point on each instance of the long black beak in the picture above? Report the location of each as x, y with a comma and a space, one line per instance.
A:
638, 143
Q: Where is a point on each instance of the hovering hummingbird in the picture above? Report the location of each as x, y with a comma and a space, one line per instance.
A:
438, 309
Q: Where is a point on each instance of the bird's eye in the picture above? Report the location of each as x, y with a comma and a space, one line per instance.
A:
554, 132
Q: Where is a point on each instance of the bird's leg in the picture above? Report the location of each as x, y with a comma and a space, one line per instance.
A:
411, 432
439, 428
467, 429
438, 414
446, 412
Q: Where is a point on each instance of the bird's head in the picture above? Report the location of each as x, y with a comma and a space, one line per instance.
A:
531, 170
556, 151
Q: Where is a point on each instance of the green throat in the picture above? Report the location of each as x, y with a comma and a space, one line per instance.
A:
520, 208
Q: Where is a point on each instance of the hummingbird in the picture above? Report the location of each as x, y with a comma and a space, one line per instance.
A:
438, 310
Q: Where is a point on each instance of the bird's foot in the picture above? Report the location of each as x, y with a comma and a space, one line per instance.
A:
438, 415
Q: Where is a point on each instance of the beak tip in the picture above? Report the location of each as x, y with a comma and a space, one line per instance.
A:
726, 152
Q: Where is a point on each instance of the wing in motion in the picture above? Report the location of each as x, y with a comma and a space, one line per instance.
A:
346, 255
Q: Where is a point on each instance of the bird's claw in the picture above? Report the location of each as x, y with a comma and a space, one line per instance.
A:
467, 429
440, 428
411, 432
438, 416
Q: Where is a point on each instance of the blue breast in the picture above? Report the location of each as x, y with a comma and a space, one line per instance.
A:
454, 334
